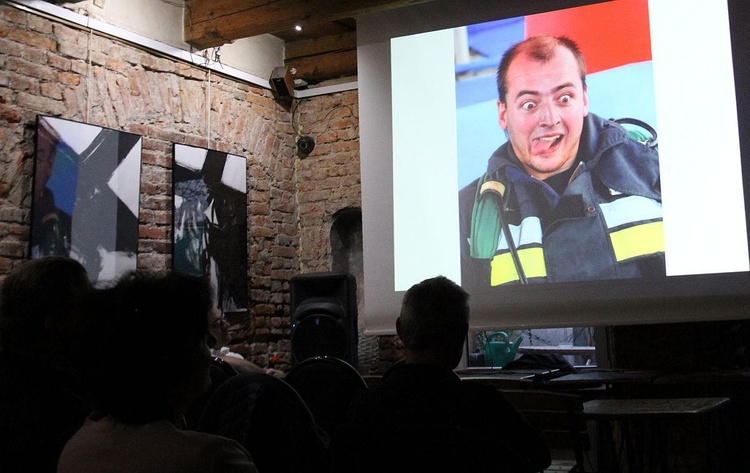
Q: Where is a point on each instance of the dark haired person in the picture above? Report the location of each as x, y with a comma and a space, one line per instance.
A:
421, 416
41, 401
571, 196
152, 363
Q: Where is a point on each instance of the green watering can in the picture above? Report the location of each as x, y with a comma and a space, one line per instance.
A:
499, 351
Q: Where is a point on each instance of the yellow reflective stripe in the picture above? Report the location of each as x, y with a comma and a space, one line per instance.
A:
532, 260
639, 240
504, 271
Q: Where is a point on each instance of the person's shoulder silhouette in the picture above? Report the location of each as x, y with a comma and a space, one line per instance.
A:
41, 325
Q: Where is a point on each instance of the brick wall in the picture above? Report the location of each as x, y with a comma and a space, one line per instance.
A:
328, 178
49, 68
53, 69
328, 183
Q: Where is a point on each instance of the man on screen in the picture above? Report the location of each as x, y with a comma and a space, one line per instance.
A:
571, 196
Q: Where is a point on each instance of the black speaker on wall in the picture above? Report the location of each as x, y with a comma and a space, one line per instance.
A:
282, 84
324, 316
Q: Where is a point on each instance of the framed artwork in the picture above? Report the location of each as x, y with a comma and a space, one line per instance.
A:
210, 221
85, 196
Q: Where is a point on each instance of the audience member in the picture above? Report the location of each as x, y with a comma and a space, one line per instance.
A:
225, 364
219, 341
153, 362
421, 417
41, 403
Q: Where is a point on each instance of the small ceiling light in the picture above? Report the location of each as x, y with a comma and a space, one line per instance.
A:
297, 27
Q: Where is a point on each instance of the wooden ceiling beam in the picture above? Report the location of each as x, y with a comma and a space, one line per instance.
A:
325, 66
211, 23
314, 46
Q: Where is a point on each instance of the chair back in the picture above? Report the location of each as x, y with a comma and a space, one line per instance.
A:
270, 419
219, 372
327, 385
559, 416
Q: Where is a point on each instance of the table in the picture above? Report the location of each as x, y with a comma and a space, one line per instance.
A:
500, 379
596, 377
560, 350
651, 408
704, 378
656, 412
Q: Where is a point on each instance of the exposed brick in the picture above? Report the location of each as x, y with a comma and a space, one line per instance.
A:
53, 91
9, 114
22, 83
289, 215
73, 50
153, 232
13, 248
31, 38
69, 79
40, 104
12, 15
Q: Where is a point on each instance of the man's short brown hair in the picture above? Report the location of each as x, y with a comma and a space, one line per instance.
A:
540, 48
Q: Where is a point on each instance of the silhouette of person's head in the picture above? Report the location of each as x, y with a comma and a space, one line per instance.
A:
42, 309
153, 359
434, 322
42, 329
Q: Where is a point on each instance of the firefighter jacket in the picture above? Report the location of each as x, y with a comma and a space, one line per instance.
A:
606, 224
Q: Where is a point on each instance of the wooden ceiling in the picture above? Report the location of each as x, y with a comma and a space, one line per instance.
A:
323, 51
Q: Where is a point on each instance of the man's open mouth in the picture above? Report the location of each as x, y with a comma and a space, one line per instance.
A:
545, 144
552, 140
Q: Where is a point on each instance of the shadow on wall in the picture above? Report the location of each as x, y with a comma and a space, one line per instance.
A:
346, 253
346, 247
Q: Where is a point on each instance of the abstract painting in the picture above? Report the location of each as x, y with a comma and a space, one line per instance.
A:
210, 221
85, 196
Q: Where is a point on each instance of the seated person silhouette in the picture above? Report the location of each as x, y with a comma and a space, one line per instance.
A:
219, 341
152, 362
225, 364
41, 402
421, 417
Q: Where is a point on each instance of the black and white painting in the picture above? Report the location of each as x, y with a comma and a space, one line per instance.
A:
210, 221
85, 198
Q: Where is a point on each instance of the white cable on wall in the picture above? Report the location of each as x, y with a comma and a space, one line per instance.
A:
87, 112
208, 111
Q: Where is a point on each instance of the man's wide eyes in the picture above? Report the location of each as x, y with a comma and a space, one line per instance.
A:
563, 99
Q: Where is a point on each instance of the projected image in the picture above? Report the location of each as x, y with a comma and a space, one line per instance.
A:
429, 102
210, 221
85, 201
557, 152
